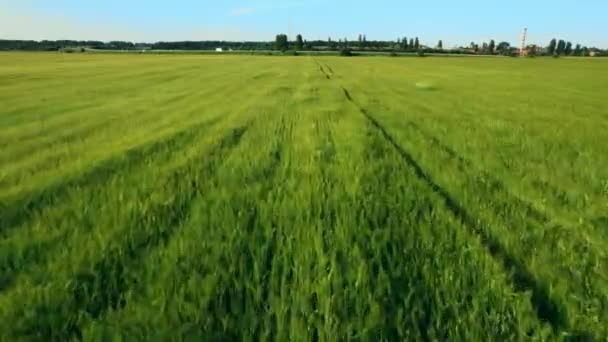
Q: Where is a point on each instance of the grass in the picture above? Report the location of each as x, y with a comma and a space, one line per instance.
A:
302, 198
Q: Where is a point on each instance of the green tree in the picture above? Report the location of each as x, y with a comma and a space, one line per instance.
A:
551, 47
440, 45
503, 48
561, 46
491, 47
404, 45
416, 44
411, 46
346, 52
299, 42
568, 50
281, 42
577, 50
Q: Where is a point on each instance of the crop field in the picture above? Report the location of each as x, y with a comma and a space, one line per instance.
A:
157, 197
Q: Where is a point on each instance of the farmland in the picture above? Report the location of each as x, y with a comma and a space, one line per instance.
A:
302, 198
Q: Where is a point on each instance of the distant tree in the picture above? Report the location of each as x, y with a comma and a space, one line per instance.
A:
281, 42
531, 50
440, 45
504, 48
404, 45
491, 47
552, 46
577, 50
416, 44
484, 48
411, 46
585, 52
561, 47
346, 53
299, 42
568, 49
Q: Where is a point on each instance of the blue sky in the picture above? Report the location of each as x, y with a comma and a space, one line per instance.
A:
455, 22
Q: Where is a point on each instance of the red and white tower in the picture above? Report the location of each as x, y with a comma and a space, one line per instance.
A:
524, 36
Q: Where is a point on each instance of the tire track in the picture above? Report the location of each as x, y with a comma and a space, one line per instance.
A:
548, 309
378, 255
506, 207
323, 209
494, 186
94, 291
256, 244
24, 208
325, 73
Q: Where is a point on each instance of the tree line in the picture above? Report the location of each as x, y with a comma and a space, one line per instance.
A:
563, 48
283, 43
414, 44
55, 45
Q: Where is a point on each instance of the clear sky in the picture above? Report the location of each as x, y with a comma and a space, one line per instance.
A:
456, 22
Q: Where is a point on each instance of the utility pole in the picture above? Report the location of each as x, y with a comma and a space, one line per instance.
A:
524, 36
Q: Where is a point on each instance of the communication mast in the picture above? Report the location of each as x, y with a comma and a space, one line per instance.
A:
524, 36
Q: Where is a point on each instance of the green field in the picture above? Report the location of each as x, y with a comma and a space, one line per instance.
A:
302, 198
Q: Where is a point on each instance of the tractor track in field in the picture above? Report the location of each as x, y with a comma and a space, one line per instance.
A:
327, 214
323, 71
548, 309
101, 288
326, 157
379, 257
12, 264
24, 208
253, 240
590, 257
494, 186
498, 189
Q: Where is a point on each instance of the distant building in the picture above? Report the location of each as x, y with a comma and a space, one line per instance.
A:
219, 49
532, 49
